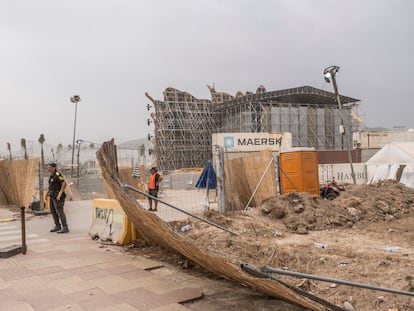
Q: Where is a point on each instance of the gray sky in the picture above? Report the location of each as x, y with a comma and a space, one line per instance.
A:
111, 51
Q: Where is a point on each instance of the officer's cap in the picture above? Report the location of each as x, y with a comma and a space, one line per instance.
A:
52, 164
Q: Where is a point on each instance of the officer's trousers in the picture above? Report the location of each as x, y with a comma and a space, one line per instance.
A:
59, 217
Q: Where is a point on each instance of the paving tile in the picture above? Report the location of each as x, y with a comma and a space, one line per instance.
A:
116, 284
48, 270
87, 269
10, 296
115, 262
8, 263
71, 284
141, 299
93, 299
33, 263
15, 273
136, 274
164, 286
56, 275
98, 274
46, 299
163, 271
27, 285
80, 237
71, 263
120, 307
21, 306
69, 307
183, 295
90, 272
122, 269
3, 284
145, 263
53, 254
96, 259
39, 249
69, 248
172, 307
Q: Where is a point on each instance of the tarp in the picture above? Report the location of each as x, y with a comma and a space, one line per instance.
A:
394, 161
208, 179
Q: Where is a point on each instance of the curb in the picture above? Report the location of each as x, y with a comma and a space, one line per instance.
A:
7, 219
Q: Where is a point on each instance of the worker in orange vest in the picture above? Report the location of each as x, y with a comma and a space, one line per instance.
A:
153, 187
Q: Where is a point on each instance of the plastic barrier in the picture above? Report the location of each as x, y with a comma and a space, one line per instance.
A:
110, 223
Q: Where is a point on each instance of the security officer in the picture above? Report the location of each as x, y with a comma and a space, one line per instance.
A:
57, 185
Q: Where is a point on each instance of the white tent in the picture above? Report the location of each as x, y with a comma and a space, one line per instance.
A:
393, 161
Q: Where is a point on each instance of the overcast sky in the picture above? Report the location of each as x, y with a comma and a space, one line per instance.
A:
112, 51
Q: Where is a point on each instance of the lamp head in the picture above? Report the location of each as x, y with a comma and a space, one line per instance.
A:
330, 72
327, 77
75, 99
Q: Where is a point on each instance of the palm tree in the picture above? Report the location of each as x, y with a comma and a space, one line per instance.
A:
9, 149
23, 144
59, 150
42, 165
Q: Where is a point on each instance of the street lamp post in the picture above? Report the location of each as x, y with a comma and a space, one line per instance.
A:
330, 75
74, 99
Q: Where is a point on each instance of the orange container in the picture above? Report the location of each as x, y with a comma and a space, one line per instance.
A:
299, 171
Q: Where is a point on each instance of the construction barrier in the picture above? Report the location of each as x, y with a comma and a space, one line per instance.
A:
46, 199
110, 223
35, 204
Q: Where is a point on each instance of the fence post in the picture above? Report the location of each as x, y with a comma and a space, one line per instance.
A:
23, 220
218, 162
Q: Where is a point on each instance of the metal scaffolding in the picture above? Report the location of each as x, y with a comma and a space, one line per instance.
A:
183, 127
184, 124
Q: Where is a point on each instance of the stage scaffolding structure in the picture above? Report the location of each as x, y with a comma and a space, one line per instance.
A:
184, 124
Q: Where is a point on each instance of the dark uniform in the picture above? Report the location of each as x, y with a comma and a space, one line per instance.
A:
56, 206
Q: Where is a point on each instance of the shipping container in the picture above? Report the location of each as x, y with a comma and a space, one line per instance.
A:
299, 171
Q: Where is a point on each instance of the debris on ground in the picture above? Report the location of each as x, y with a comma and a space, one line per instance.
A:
357, 226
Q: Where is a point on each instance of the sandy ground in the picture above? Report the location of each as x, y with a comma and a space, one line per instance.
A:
194, 201
356, 228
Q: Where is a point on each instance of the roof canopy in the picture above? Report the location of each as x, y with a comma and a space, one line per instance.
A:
299, 95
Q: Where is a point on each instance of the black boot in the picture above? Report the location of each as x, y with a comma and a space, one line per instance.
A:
64, 230
55, 229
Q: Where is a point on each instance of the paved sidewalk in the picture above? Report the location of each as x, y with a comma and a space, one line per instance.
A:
7, 214
72, 272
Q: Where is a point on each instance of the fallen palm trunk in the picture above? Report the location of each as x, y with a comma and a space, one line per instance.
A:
155, 230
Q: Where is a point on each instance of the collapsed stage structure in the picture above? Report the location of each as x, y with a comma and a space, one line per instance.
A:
184, 124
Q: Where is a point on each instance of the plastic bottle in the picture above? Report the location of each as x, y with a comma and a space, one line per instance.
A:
321, 245
185, 228
392, 249
275, 233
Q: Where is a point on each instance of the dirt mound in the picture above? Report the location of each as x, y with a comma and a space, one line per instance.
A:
359, 225
301, 212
